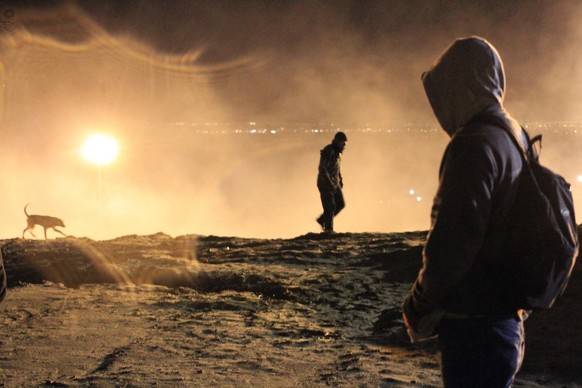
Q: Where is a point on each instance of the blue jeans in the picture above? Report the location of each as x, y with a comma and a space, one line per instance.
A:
481, 352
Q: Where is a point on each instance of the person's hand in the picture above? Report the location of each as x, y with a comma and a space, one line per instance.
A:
410, 319
420, 327
412, 335
407, 324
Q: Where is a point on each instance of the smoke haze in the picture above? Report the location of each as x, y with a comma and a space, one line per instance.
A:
160, 77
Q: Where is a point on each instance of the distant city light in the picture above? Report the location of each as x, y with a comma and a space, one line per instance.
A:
418, 199
563, 128
579, 178
411, 191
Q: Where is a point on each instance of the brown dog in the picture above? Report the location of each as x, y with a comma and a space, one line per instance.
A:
44, 221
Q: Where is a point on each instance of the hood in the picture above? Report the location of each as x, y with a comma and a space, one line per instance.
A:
467, 78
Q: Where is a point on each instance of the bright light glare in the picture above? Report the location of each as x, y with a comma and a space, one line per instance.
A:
579, 179
100, 149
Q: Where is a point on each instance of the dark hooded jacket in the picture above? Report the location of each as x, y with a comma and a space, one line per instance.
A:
462, 270
329, 177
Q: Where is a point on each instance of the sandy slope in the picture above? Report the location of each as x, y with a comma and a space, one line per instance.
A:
222, 311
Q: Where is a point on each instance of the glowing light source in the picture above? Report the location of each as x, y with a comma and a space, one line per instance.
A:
100, 149
579, 178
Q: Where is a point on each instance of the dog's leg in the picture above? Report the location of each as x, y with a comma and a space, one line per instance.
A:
45, 233
56, 230
29, 229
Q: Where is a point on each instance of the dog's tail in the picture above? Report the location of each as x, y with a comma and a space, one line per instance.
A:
25, 209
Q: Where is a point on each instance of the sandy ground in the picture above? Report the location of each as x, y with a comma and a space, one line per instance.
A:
316, 310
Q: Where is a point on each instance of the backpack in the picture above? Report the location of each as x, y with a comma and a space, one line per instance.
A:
543, 238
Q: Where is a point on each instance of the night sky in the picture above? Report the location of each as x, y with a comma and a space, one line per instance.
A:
333, 54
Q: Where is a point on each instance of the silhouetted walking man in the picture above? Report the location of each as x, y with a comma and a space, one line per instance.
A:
329, 181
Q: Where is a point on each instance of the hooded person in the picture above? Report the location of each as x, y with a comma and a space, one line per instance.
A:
330, 182
461, 292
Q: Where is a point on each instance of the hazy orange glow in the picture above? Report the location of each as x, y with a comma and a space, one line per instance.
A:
100, 149
202, 102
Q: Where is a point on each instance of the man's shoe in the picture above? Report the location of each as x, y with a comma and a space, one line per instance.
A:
321, 223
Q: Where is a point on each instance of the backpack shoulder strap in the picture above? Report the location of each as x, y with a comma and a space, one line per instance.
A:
525, 145
527, 150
